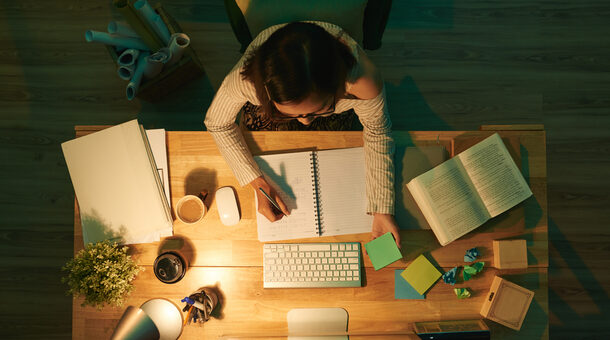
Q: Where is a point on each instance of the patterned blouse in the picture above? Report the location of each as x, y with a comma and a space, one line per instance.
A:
235, 92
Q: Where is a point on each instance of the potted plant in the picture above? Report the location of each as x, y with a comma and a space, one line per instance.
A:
102, 273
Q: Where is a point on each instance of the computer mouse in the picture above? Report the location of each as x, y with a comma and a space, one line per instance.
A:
227, 206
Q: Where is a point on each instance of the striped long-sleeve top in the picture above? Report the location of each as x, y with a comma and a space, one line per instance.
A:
234, 92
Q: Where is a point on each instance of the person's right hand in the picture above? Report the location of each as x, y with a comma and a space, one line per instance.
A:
265, 207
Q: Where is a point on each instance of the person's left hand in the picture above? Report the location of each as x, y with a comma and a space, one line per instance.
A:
383, 223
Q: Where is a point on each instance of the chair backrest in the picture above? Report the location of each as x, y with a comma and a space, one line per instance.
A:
363, 20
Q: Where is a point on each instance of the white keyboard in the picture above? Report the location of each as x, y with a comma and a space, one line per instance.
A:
311, 265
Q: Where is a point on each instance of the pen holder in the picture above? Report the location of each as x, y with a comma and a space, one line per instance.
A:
199, 305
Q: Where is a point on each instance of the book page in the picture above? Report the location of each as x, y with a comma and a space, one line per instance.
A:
452, 199
291, 175
495, 175
342, 195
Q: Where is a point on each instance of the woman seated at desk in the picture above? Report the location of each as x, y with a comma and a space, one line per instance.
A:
306, 76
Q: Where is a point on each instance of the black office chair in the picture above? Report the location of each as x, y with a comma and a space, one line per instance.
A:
363, 20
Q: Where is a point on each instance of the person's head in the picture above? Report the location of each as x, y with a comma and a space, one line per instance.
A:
300, 70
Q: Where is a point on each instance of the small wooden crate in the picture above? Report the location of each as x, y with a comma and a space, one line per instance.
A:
510, 254
188, 68
507, 303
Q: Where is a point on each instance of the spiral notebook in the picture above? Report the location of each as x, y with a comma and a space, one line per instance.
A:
324, 190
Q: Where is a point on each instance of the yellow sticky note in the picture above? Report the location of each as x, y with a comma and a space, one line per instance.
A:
421, 274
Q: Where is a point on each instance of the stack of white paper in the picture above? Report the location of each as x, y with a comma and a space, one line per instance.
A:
117, 184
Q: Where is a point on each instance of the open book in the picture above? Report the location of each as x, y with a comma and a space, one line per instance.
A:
120, 193
324, 191
467, 190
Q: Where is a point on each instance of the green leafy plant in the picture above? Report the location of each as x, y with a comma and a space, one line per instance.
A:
102, 273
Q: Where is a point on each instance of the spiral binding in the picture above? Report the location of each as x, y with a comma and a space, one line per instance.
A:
315, 182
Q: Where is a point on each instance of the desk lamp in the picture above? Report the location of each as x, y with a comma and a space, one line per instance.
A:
155, 319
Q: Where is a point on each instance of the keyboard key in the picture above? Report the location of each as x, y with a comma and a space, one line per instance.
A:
314, 247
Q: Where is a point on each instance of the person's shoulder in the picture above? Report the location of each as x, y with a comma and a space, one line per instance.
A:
369, 82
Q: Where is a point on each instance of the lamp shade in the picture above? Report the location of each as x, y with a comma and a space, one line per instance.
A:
155, 319
135, 324
166, 316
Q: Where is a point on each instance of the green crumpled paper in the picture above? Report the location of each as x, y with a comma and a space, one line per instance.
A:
469, 271
462, 293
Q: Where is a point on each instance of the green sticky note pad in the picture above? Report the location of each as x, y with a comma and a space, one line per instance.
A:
421, 274
383, 251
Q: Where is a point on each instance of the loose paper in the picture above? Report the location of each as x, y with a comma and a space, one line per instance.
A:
383, 250
403, 290
421, 274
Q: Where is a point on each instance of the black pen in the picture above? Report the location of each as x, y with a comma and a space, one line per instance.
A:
273, 202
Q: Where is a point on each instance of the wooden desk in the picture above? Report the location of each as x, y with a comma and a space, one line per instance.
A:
231, 257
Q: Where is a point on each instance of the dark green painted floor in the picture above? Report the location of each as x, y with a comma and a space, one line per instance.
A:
448, 65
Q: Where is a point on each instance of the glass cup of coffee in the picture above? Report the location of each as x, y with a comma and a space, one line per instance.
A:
190, 209
170, 267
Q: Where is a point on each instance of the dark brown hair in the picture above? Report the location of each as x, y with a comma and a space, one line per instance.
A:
296, 61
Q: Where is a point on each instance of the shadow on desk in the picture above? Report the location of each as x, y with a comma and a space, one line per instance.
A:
181, 110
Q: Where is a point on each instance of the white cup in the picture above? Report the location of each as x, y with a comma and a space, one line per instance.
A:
190, 209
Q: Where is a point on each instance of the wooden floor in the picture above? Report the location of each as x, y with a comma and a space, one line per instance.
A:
447, 64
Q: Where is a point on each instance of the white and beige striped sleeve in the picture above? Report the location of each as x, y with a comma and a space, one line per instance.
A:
220, 119
378, 153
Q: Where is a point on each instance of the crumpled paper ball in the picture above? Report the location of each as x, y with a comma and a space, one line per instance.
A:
462, 293
450, 276
469, 271
471, 255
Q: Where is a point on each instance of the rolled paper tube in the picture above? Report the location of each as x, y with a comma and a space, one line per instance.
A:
150, 16
162, 29
177, 44
115, 40
128, 57
125, 7
134, 83
121, 28
125, 72
166, 51
154, 63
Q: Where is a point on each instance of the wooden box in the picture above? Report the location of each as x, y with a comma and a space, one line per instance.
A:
510, 254
507, 303
172, 77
